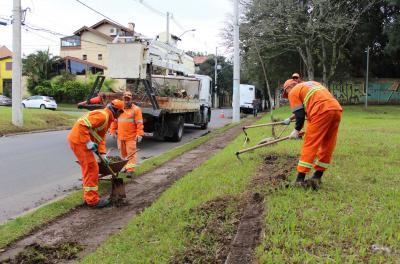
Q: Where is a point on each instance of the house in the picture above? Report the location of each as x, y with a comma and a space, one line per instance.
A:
86, 50
5, 71
199, 60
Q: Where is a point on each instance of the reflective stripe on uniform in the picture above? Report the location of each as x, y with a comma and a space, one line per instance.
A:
139, 121
130, 166
90, 188
94, 133
322, 164
305, 164
126, 120
311, 92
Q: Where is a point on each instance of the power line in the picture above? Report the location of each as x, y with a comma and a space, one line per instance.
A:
94, 10
154, 10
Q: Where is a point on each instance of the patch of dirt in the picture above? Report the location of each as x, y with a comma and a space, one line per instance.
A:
272, 173
91, 227
215, 223
36, 254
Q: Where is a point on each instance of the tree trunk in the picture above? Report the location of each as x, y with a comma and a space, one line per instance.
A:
324, 62
310, 60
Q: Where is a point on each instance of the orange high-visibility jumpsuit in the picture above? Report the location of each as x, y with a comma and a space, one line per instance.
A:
323, 113
129, 125
91, 127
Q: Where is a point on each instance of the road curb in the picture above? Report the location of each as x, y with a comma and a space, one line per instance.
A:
36, 131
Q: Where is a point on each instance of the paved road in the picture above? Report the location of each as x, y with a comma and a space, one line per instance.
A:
36, 168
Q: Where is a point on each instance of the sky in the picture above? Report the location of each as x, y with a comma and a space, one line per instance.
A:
66, 16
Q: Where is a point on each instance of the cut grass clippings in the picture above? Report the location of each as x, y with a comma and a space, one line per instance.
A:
350, 219
34, 119
25, 224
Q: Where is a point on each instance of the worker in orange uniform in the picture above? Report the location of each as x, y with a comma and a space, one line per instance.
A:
323, 113
88, 136
129, 130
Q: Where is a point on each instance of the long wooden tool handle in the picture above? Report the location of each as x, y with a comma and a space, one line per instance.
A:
261, 125
262, 145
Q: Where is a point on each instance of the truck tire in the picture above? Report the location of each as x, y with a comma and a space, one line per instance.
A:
204, 126
177, 131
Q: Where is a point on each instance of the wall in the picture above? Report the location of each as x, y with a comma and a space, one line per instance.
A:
3, 73
380, 91
91, 46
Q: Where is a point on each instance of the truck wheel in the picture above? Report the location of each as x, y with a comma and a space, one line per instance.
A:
204, 126
177, 132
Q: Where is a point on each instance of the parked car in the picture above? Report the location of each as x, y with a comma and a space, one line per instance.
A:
39, 101
4, 100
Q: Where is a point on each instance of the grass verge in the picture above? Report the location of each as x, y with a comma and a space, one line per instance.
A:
23, 225
352, 219
69, 107
168, 227
34, 119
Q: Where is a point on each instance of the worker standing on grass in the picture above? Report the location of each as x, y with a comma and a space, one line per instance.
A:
129, 130
88, 136
323, 113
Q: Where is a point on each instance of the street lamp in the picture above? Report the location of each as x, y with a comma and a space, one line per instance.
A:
189, 30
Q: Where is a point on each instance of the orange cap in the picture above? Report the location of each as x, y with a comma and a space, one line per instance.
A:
127, 94
289, 84
118, 104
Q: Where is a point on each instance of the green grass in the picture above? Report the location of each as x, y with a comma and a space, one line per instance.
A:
34, 119
22, 225
160, 231
69, 107
357, 207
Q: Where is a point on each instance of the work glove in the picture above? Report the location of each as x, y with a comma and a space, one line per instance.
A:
294, 134
90, 145
104, 156
139, 139
286, 121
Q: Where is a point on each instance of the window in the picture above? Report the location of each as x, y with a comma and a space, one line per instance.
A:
99, 56
8, 66
71, 41
84, 57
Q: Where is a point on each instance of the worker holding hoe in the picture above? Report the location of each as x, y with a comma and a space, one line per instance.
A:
323, 113
129, 130
87, 137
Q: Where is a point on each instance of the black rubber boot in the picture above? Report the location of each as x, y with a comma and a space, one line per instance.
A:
300, 177
317, 177
102, 203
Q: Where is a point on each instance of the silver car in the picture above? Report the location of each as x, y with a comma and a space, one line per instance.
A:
5, 101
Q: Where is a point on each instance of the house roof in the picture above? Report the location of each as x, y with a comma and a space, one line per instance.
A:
199, 59
106, 21
5, 52
85, 62
94, 31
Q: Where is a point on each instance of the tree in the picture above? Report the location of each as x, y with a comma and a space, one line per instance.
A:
40, 66
317, 30
225, 75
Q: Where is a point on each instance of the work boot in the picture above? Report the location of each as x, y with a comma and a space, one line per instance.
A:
129, 174
102, 203
299, 182
317, 177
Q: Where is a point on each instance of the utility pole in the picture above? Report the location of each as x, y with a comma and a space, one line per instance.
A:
366, 80
167, 28
17, 118
215, 78
236, 65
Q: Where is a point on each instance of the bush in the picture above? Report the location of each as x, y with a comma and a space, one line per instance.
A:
76, 91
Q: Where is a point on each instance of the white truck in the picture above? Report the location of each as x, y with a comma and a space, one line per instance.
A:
167, 101
249, 93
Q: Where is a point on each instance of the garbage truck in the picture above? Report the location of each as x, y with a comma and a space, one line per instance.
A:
168, 101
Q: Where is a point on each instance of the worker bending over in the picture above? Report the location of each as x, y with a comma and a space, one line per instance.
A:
323, 113
129, 129
88, 136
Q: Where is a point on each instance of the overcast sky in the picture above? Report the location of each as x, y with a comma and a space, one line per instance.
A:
66, 16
